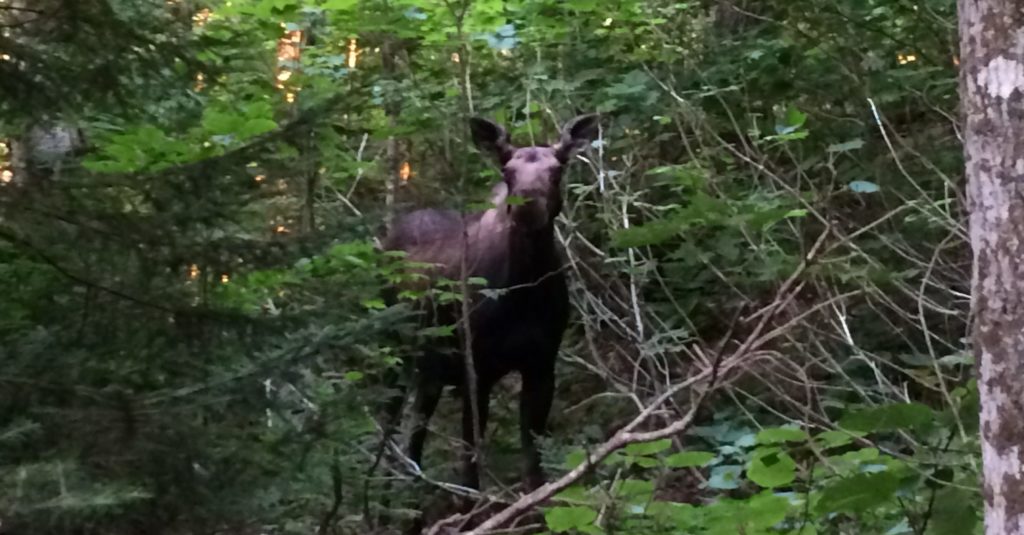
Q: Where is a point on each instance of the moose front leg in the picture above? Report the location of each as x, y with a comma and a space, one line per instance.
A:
534, 406
470, 461
428, 393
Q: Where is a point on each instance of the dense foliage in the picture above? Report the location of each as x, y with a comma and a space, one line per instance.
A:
192, 327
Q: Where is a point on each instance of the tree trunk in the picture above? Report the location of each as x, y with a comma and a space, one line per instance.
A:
391, 50
992, 92
49, 142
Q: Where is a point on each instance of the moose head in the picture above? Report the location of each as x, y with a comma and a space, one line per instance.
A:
533, 174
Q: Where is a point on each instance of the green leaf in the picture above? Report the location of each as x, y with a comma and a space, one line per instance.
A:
221, 123
772, 469
255, 127
651, 233
755, 515
686, 459
962, 358
340, 4
858, 493
575, 458
863, 186
439, 331
832, 439
775, 435
644, 462
353, 376
860, 456
574, 494
374, 304
853, 144
687, 175
266, 8
725, 477
649, 448
683, 516
888, 417
563, 519
767, 510
635, 490
583, 6
955, 512
795, 118
790, 136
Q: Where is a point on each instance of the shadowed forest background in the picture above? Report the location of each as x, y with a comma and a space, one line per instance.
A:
193, 327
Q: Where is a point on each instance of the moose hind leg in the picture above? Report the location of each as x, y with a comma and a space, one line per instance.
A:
534, 406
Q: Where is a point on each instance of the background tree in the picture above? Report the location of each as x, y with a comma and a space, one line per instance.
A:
992, 88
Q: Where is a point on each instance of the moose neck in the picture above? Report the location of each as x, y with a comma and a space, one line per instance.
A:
531, 253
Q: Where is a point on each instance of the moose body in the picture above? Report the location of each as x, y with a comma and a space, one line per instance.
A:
517, 328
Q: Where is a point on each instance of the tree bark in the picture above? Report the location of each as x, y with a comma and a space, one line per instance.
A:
391, 50
992, 95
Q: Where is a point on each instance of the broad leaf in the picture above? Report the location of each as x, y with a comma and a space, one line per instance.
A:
888, 417
563, 519
685, 459
863, 186
858, 493
955, 512
853, 144
775, 435
772, 469
725, 477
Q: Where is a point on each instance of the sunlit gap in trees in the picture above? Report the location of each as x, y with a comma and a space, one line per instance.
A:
6, 174
201, 17
353, 54
289, 52
904, 59
289, 56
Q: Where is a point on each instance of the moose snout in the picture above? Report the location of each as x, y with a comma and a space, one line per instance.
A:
534, 210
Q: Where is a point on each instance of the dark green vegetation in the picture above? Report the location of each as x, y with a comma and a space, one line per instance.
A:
192, 332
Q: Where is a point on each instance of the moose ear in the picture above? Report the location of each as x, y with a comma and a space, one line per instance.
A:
491, 138
576, 134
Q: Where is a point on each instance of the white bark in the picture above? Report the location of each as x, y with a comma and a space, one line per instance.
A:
992, 95
41, 149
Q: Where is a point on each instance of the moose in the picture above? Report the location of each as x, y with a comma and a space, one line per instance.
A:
518, 326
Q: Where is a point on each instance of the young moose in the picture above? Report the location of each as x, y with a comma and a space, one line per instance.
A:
512, 246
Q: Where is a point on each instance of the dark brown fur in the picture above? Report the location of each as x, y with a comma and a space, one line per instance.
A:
512, 246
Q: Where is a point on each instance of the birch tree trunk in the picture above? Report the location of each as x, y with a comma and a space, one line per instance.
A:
45, 145
992, 95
